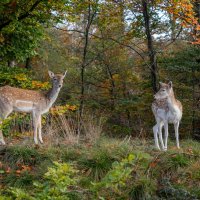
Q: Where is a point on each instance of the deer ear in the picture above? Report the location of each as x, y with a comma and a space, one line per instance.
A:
51, 74
170, 84
161, 84
64, 74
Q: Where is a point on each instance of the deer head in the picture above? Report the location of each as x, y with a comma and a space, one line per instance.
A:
57, 79
165, 91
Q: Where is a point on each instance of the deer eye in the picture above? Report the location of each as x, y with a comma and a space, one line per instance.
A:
163, 90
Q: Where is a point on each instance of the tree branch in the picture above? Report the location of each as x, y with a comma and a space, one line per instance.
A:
96, 36
23, 16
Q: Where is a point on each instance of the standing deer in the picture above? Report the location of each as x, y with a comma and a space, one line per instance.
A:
29, 101
166, 109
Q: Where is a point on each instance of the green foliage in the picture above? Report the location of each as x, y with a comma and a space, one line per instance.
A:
117, 177
97, 165
22, 180
22, 26
120, 177
179, 160
20, 77
143, 189
143, 174
19, 194
59, 179
21, 40
58, 184
10, 128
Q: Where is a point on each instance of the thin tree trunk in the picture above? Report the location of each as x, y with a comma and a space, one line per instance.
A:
112, 89
28, 63
194, 100
152, 54
110, 76
172, 27
90, 18
126, 96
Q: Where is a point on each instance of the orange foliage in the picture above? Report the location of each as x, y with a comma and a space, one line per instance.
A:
184, 11
60, 110
38, 85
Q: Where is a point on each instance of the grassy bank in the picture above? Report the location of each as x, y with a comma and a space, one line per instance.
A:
105, 169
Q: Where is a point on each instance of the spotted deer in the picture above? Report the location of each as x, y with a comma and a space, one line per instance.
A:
29, 101
166, 109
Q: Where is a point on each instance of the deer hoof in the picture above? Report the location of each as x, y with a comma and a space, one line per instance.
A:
41, 141
36, 141
157, 147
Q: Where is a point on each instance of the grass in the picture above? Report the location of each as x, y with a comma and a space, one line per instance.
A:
21, 154
174, 174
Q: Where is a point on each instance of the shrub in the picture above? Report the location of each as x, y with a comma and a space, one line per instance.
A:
59, 184
119, 182
20, 77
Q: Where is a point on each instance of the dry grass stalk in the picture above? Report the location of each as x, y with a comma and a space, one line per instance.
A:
92, 128
62, 130
69, 130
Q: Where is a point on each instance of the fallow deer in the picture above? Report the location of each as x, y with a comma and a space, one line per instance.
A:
29, 101
166, 109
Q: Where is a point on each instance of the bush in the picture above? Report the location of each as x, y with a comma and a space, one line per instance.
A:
59, 184
20, 77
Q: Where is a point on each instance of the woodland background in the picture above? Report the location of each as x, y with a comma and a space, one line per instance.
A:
116, 52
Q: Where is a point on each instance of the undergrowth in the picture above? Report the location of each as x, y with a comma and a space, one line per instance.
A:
105, 169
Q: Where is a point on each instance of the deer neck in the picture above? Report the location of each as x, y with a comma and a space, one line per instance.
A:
171, 101
53, 94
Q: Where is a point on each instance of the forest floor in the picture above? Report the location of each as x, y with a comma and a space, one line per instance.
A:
105, 169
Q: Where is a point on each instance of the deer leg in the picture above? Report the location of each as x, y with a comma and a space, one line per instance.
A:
2, 141
3, 116
35, 126
166, 134
155, 131
160, 134
40, 130
176, 126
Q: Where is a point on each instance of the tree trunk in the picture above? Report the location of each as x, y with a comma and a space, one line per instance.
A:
172, 27
151, 52
195, 120
28, 63
112, 88
90, 17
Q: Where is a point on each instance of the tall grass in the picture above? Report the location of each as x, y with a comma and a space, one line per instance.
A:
71, 130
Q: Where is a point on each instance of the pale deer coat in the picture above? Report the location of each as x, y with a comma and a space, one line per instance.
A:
166, 109
29, 101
